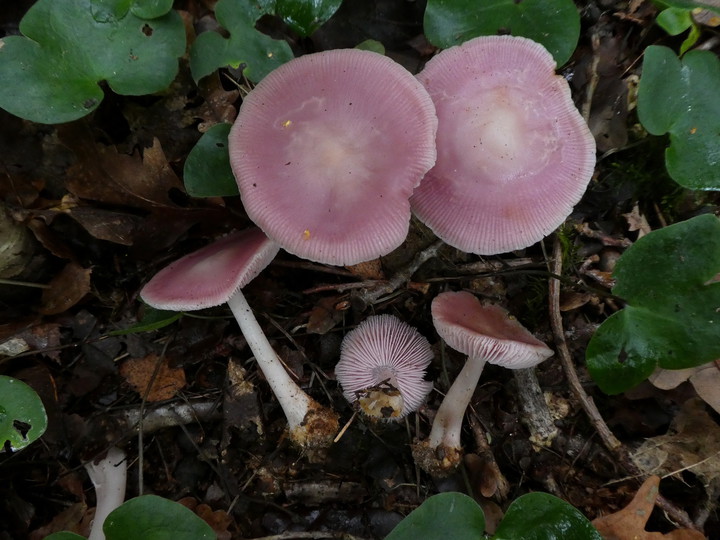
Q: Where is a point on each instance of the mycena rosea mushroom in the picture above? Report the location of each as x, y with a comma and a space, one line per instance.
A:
487, 334
215, 275
327, 150
514, 154
382, 367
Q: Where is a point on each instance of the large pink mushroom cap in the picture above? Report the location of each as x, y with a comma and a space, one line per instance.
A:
514, 154
327, 150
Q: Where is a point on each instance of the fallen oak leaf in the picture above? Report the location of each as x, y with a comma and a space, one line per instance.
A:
66, 289
140, 373
629, 523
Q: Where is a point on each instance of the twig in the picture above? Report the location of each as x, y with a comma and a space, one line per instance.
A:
484, 450
609, 440
536, 415
370, 296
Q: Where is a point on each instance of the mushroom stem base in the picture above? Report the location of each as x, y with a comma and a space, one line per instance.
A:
437, 461
316, 432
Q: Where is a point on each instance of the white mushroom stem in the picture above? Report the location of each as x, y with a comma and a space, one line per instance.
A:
294, 401
447, 426
109, 476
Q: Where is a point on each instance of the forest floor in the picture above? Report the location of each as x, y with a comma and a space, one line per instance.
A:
102, 203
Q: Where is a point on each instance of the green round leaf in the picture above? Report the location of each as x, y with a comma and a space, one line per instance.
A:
553, 23
153, 518
207, 170
668, 280
540, 516
22, 415
679, 97
305, 16
674, 20
258, 53
371, 45
441, 517
68, 47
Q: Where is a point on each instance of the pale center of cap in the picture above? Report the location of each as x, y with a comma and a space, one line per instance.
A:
495, 136
328, 152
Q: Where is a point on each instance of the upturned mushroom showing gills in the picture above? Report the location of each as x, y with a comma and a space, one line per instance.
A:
487, 334
382, 367
514, 154
327, 150
214, 275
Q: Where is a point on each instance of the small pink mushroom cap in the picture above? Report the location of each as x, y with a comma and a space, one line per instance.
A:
384, 353
327, 150
210, 276
514, 154
485, 332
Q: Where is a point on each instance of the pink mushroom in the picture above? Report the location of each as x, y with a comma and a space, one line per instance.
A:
214, 275
514, 154
382, 367
327, 150
487, 334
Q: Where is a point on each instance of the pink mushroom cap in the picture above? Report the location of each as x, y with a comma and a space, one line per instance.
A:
384, 348
327, 150
485, 332
514, 154
210, 276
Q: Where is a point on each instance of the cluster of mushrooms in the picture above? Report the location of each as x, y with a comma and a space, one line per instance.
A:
333, 151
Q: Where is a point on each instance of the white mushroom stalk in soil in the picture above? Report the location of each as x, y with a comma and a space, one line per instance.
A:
382, 367
109, 476
487, 334
215, 275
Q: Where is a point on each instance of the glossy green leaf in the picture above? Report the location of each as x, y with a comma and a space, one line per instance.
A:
371, 45
669, 281
690, 4
207, 170
674, 20
153, 319
306, 16
553, 23
67, 48
153, 518
443, 516
540, 516
679, 97
257, 53
22, 415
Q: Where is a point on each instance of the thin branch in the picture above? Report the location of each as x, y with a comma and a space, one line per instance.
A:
609, 440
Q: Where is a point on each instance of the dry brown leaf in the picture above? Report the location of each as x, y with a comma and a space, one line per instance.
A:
325, 315
705, 379
368, 269
692, 443
67, 520
117, 227
629, 523
138, 373
103, 174
66, 289
637, 222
